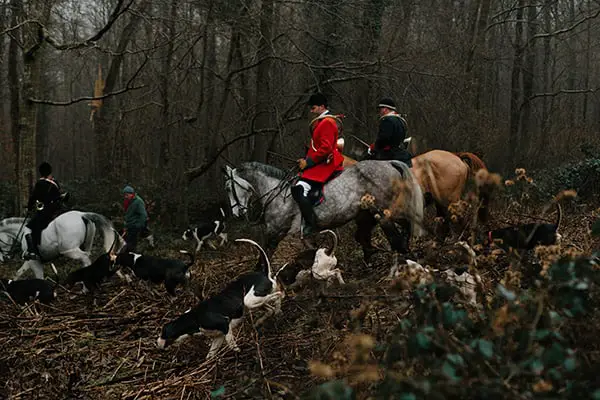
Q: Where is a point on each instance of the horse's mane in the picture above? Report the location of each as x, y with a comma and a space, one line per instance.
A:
266, 169
475, 163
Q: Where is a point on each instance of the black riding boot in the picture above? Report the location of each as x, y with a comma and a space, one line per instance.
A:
32, 252
306, 209
308, 215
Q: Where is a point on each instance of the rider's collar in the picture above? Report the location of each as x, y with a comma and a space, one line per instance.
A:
390, 114
321, 116
49, 180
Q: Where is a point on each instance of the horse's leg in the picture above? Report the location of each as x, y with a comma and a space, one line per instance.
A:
78, 254
444, 228
365, 223
26, 265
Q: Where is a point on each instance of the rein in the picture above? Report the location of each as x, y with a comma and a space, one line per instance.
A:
269, 195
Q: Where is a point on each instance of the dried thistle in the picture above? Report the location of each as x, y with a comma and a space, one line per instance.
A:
542, 386
509, 182
367, 201
520, 171
321, 370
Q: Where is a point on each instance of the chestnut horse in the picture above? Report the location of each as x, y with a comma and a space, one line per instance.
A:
443, 177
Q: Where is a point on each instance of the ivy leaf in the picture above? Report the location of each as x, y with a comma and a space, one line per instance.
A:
449, 371
456, 359
570, 364
218, 392
555, 355
542, 334
422, 340
537, 366
486, 348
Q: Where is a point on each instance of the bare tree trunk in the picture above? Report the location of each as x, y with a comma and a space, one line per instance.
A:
33, 38
14, 61
105, 118
480, 18
530, 57
515, 89
264, 110
369, 39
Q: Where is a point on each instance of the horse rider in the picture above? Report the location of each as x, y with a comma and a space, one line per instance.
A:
321, 162
136, 217
389, 144
44, 202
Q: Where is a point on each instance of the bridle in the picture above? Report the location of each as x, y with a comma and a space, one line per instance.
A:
230, 181
271, 195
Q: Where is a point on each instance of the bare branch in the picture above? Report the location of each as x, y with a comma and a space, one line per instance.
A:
117, 12
87, 98
127, 88
564, 91
195, 172
568, 28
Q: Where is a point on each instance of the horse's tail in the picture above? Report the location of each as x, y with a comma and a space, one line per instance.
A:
105, 225
416, 198
475, 164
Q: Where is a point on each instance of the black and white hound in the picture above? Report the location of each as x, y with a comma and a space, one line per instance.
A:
217, 316
206, 230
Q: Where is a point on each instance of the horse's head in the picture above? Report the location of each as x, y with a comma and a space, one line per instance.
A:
238, 190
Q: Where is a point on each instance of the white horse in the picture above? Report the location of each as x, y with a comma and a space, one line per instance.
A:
70, 234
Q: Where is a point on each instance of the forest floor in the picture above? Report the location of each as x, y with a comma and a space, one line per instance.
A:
79, 348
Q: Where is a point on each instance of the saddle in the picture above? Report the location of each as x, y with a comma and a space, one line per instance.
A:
317, 194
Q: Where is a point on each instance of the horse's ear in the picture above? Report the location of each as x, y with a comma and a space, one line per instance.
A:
227, 169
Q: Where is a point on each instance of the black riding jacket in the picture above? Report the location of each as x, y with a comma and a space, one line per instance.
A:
389, 144
47, 191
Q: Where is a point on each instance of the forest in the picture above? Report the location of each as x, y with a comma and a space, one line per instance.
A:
163, 94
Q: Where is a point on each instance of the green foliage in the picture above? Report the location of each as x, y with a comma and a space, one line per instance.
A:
515, 349
583, 176
333, 390
217, 392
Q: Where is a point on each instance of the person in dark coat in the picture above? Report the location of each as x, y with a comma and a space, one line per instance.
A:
389, 144
136, 217
43, 206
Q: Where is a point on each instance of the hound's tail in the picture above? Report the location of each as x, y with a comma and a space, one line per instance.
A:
264, 260
106, 226
415, 200
559, 217
335, 241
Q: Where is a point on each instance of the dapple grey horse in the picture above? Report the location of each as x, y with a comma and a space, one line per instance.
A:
70, 234
281, 214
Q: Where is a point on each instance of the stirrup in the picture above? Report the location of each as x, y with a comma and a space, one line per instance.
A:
28, 255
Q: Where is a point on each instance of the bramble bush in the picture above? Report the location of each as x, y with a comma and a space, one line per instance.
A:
518, 345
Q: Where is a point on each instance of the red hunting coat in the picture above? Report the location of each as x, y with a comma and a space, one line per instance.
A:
323, 157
